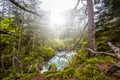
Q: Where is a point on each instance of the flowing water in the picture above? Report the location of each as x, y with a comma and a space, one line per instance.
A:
60, 60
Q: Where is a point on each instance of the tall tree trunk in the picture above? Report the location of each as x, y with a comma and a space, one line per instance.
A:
20, 41
37, 54
14, 63
36, 43
36, 46
90, 26
2, 64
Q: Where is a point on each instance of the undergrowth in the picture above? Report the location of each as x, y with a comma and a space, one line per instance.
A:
83, 68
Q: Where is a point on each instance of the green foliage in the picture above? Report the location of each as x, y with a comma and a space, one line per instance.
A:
7, 75
81, 56
64, 74
107, 59
53, 67
107, 28
72, 63
20, 76
25, 76
91, 72
93, 61
108, 25
46, 52
7, 26
87, 66
28, 59
6, 23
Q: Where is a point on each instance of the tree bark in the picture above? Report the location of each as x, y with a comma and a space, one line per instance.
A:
20, 37
14, 61
90, 26
20, 42
37, 55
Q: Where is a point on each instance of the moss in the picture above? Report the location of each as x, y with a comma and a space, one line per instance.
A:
89, 71
110, 60
93, 61
64, 74
25, 76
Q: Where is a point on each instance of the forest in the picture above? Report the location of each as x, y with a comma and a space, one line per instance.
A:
59, 39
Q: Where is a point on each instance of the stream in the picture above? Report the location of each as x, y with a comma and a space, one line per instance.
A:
60, 60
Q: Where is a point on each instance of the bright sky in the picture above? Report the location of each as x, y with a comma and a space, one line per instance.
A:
56, 7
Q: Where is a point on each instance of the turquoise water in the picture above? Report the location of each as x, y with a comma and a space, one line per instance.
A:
60, 59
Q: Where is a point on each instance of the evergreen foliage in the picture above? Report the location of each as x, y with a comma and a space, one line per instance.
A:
108, 24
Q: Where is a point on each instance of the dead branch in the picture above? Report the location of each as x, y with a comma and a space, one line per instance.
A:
115, 49
116, 54
104, 53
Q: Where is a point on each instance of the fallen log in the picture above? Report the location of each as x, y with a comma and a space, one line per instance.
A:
115, 49
113, 69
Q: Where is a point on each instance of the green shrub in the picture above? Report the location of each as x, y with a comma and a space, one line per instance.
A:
89, 71
7, 75
46, 51
53, 67
64, 74
81, 56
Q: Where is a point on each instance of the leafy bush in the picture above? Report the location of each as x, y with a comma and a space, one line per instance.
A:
46, 52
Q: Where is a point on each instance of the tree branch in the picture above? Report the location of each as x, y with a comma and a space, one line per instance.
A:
76, 4
115, 49
105, 53
23, 8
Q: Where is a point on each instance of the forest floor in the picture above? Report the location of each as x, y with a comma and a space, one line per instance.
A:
101, 67
37, 77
